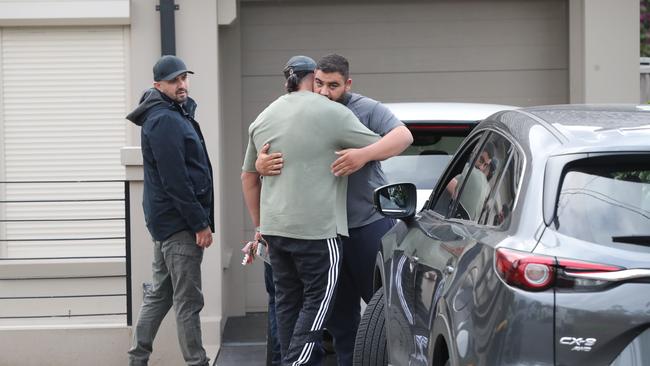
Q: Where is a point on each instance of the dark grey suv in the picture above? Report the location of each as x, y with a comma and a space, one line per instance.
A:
533, 249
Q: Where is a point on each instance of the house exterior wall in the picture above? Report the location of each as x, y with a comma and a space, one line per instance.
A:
236, 277
200, 54
57, 344
604, 51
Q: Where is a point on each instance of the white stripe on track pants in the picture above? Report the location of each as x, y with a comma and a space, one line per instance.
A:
305, 275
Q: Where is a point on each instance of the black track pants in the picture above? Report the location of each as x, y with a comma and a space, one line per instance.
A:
305, 274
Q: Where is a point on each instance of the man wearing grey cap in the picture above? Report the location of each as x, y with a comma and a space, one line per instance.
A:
302, 212
178, 208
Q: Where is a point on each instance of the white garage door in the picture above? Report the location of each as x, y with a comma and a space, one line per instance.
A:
507, 52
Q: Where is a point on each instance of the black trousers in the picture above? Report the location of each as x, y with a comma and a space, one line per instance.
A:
305, 274
356, 282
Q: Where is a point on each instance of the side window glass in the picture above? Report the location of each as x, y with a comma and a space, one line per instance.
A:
482, 177
501, 202
454, 176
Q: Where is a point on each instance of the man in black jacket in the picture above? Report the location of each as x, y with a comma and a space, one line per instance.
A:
178, 208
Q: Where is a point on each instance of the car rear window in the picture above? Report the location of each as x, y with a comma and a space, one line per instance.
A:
423, 171
422, 163
436, 138
605, 201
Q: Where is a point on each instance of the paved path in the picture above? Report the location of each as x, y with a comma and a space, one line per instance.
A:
244, 342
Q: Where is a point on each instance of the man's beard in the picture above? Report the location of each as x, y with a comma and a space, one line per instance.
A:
342, 98
181, 98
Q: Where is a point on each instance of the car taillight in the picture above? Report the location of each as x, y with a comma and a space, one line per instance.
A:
534, 272
574, 275
524, 270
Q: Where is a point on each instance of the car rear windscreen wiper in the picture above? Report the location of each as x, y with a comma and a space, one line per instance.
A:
633, 239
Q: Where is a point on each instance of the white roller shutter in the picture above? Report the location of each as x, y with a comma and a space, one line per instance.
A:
63, 102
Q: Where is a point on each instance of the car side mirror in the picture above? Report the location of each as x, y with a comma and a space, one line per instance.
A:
397, 200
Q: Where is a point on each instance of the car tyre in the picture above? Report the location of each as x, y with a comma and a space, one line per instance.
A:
370, 344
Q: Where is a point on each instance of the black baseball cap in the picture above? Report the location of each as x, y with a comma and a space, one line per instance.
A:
169, 67
299, 65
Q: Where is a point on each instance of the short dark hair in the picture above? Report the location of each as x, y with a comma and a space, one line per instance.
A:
334, 63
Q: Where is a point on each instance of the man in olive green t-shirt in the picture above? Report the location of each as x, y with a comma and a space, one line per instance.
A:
302, 212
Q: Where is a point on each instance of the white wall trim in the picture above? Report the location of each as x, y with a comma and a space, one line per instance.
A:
70, 346
22, 13
42, 327
131, 157
226, 11
61, 268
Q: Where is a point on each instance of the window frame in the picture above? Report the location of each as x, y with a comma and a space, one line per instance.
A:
515, 152
473, 141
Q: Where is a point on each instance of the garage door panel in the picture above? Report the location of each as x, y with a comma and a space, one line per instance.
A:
364, 60
346, 11
404, 34
528, 87
414, 30
263, 88
451, 59
518, 87
410, 43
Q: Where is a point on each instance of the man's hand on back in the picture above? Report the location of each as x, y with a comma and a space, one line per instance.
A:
204, 238
268, 164
351, 160
348, 162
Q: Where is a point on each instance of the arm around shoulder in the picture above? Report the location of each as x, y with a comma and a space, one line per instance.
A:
393, 143
351, 160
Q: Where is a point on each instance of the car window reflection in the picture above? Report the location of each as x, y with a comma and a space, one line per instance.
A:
483, 182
